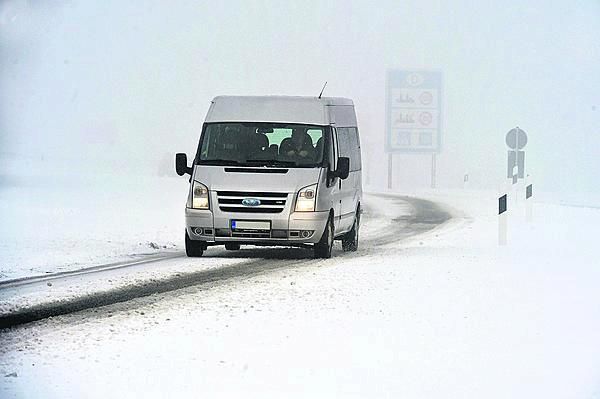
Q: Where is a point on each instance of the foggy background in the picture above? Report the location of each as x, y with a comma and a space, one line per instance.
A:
118, 87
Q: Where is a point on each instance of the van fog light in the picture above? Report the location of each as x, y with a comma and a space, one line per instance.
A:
306, 233
197, 230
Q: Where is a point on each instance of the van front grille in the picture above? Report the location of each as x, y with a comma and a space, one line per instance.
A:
270, 202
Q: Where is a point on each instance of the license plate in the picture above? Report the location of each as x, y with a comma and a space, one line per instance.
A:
250, 225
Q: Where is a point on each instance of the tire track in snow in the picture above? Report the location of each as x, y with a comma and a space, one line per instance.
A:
424, 216
88, 270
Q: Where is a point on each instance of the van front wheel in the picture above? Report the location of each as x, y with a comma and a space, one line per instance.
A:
193, 249
232, 246
325, 245
350, 239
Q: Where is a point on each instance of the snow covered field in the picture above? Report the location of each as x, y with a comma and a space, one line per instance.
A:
443, 299
52, 224
447, 313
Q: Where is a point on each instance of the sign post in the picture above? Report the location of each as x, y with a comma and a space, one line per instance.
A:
390, 171
413, 114
516, 140
433, 169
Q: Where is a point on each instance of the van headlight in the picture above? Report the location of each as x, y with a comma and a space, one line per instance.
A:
306, 199
199, 196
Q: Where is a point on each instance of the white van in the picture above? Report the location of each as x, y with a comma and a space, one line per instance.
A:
275, 170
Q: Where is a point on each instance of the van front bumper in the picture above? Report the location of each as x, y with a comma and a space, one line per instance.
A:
286, 228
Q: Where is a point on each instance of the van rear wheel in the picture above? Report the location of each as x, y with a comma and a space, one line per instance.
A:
325, 245
350, 239
193, 249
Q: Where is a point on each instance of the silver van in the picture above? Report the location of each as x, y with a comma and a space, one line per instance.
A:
275, 170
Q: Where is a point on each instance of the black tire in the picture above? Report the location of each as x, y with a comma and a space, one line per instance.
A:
325, 245
232, 246
350, 239
193, 249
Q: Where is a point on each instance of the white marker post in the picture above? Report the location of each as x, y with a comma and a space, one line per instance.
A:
529, 200
502, 229
502, 220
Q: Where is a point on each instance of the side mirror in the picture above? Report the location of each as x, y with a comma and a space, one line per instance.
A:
342, 171
181, 166
343, 168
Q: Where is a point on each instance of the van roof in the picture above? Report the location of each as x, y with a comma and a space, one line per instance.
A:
285, 109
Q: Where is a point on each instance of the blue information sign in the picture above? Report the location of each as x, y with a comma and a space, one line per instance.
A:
413, 111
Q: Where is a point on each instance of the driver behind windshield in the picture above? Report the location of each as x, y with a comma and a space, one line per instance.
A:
298, 147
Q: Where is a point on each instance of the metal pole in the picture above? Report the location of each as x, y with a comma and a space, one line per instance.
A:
433, 170
389, 170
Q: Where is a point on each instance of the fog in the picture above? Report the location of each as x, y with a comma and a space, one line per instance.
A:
117, 88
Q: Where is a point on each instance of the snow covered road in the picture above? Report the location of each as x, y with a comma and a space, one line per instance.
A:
34, 298
443, 313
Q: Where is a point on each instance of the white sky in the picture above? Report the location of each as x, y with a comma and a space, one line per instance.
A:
95, 80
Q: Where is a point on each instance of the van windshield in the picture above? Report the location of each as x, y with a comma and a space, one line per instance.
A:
262, 144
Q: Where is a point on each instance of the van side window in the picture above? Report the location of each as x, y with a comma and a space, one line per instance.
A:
333, 151
343, 145
355, 159
349, 146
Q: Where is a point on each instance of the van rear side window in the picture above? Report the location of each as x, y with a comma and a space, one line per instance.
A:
349, 146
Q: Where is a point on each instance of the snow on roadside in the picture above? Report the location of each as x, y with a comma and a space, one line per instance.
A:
446, 314
55, 224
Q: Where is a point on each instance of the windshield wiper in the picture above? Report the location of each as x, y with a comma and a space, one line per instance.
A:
220, 162
251, 162
271, 162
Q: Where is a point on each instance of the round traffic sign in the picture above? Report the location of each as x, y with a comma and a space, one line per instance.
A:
516, 139
425, 118
426, 98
